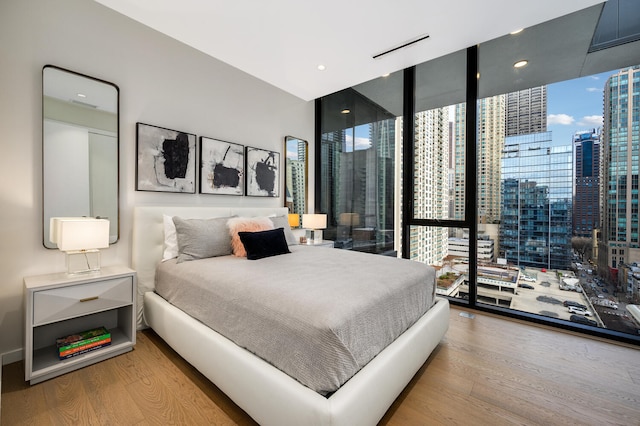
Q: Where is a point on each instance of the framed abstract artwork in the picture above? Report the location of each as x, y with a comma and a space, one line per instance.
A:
221, 167
263, 172
166, 160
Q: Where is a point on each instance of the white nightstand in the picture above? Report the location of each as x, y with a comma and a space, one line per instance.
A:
58, 305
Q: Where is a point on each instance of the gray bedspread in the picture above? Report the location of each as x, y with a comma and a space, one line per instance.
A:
318, 314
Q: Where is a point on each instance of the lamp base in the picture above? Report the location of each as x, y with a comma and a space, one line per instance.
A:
83, 261
314, 236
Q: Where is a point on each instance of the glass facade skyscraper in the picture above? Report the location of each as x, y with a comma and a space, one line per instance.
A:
621, 147
535, 226
586, 166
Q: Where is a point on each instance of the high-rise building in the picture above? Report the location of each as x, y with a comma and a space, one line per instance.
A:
535, 226
295, 185
491, 131
431, 185
620, 163
586, 190
526, 111
364, 179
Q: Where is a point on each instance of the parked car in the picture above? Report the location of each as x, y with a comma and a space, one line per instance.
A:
579, 311
530, 279
530, 287
582, 320
604, 290
568, 303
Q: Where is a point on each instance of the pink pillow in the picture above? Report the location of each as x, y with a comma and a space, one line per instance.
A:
245, 224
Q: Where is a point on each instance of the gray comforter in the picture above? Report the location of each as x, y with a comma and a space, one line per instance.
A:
317, 314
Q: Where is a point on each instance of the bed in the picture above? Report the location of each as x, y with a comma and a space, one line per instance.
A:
267, 394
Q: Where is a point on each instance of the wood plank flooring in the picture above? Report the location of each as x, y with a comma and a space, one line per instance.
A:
487, 371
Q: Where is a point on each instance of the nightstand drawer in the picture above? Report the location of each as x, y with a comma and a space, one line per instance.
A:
73, 301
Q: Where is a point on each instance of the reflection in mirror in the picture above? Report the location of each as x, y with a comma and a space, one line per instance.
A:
296, 174
79, 148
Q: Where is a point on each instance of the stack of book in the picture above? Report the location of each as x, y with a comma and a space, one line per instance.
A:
81, 343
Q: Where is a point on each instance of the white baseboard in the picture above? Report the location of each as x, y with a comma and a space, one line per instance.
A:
13, 356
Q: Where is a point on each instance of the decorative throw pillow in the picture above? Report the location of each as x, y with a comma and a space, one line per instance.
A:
264, 243
245, 224
283, 222
202, 238
170, 238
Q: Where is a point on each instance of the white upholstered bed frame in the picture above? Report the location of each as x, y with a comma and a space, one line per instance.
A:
268, 395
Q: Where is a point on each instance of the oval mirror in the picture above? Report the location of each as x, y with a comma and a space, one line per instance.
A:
80, 130
295, 183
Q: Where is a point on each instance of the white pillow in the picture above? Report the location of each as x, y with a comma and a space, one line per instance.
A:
283, 222
170, 238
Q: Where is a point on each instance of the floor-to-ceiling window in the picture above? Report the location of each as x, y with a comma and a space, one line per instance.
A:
556, 166
527, 203
361, 137
438, 220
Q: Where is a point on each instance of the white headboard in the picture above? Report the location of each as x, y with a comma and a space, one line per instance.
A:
148, 236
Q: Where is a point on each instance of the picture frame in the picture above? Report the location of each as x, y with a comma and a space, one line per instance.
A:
166, 160
262, 172
221, 167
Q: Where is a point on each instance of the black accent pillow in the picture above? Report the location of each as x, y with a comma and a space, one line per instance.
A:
264, 243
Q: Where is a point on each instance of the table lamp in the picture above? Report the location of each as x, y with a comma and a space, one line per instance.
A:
294, 220
314, 223
80, 238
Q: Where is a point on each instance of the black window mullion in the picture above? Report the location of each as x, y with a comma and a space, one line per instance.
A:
318, 158
471, 159
408, 135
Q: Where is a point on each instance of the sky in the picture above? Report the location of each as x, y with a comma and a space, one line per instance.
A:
575, 105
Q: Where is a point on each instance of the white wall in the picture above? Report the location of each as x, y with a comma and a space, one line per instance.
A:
161, 82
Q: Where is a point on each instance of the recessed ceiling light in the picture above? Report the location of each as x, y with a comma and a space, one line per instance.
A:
321, 67
386, 75
520, 64
518, 31
345, 111
82, 95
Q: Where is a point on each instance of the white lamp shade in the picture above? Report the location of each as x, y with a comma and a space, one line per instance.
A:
79, 233
314, 221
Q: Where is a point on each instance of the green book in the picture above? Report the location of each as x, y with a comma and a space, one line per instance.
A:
84, 351
83, 338
84, 342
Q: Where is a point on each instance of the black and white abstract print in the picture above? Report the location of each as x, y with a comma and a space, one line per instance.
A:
222, 170
263, 172
166, 160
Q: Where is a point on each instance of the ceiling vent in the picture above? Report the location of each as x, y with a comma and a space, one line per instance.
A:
402, 46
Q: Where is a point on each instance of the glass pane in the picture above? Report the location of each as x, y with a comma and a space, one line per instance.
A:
447, 250
439, 143
556, 174
360, 150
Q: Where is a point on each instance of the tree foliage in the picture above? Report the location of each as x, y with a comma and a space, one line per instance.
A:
583, 247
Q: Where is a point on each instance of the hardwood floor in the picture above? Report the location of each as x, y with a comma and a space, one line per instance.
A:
487, 370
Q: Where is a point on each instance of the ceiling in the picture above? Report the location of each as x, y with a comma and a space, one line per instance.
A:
282, 42
68, 86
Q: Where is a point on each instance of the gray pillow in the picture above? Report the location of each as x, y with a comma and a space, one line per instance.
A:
283, 222
202, 238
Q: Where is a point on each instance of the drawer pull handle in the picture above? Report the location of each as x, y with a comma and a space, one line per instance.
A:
88, 299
